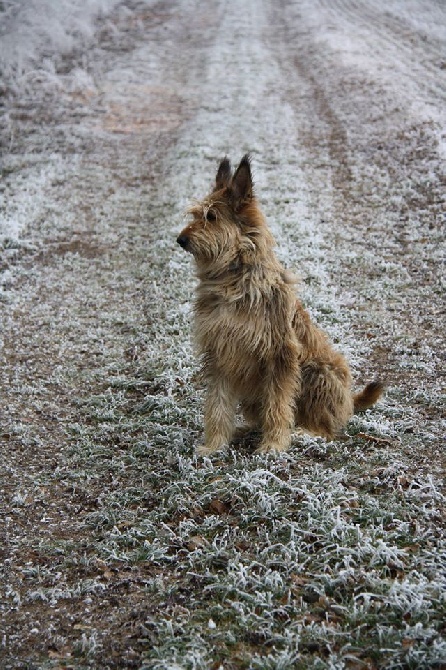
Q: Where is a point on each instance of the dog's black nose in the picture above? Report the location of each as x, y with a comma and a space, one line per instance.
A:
183, 240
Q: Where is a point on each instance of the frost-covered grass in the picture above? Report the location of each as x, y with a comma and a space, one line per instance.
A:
122, 548
34, 34
328, 556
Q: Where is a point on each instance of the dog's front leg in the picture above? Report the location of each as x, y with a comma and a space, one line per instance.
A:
282, 385
219, 415
277, 423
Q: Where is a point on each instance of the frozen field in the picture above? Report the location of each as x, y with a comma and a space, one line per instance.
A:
121, 549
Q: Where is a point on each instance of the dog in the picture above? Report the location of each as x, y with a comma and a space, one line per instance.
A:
260, 349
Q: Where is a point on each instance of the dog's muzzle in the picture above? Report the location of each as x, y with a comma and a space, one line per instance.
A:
183, 241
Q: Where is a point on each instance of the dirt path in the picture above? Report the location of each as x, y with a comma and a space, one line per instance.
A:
343, 109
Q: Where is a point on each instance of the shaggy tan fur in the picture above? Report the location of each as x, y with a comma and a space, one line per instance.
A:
259, 347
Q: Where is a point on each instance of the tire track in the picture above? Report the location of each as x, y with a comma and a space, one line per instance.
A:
419, 58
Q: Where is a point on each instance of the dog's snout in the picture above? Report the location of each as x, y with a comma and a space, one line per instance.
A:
182, 240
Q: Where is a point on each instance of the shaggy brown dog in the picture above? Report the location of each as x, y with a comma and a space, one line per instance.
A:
259, 346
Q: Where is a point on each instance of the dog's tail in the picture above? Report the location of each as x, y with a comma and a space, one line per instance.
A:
368, 396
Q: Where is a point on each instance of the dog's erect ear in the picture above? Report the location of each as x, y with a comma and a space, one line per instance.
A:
224, 174
241, 186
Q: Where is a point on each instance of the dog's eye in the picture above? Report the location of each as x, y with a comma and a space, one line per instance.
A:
211, 215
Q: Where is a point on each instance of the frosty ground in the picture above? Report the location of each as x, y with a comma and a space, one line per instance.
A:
120, 548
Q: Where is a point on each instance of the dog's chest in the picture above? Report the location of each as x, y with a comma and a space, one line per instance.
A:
232, 329
217, 318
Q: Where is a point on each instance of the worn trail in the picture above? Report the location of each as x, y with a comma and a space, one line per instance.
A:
104, 523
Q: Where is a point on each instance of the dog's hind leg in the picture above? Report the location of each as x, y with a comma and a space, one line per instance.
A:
219, 415
325, 404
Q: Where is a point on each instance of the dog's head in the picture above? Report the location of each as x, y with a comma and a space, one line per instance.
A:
226, 225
